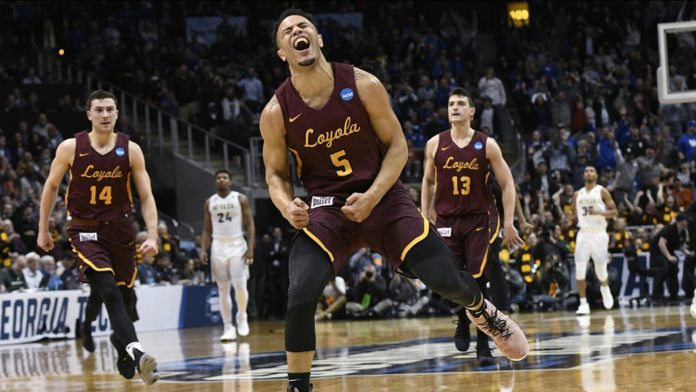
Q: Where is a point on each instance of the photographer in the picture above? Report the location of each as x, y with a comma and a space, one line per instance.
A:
555, 279
369, 296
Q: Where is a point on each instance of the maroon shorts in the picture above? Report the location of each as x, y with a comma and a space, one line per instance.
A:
105, 247
495, 222
392, 229
468, 239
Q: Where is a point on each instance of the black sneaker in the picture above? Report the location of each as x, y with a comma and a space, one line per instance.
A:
462, 336
484, 356
147, 368
292, 389
124, 363
87, 339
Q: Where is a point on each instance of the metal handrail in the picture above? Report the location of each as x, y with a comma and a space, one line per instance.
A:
142, 110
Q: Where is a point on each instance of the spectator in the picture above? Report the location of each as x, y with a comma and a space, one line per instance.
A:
493, 88
31, 77
333, 300
12, 279
51, 280
32, 273
687, 142
253, 90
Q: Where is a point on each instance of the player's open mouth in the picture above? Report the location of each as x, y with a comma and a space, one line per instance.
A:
106, 123
301, 44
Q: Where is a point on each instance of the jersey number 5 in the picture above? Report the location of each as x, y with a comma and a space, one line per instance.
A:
104, 195
338, 159
465, 188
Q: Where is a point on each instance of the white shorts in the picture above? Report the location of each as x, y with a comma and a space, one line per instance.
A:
227, 260
593, 244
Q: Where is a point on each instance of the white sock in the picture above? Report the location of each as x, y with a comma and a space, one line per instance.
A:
134, 345
583, 301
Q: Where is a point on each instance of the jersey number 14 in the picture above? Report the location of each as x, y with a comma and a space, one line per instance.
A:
104, 195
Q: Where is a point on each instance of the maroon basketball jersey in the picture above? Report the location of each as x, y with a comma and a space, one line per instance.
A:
462, 176
99, 185
336, 150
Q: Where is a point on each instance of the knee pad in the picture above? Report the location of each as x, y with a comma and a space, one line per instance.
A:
299, 328
601, 271
580, 270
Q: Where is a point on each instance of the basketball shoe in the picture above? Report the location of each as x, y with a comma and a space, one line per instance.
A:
504, 332
462, 335
583, 309
87, 339
607, 298
147, 367
124, 363
242, 324
229, 335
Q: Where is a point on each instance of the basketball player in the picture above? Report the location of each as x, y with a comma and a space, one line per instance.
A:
457, 197
349, 150
99, 201
592, 205
231, 255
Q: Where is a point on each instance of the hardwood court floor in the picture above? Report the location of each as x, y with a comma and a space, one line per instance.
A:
647, 349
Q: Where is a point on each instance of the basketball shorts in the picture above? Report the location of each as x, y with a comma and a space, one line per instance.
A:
394, 226
227, 259
468, 238
105, 246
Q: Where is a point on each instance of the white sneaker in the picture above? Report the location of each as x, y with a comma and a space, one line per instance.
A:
583, 309
607, 299
242, 324
693, 308
229, 335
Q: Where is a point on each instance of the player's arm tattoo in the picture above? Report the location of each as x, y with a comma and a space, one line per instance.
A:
360, 74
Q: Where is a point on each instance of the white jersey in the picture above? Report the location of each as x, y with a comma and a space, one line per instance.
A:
590, 199
226, 216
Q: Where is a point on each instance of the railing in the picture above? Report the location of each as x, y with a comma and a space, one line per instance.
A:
186, 138
181, 229
257, 171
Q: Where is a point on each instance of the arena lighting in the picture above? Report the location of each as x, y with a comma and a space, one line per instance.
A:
61, 52
518, 14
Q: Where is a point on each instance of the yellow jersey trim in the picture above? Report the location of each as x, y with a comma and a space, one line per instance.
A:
426, 227
299, 162
497, 230
91, 264
318, 241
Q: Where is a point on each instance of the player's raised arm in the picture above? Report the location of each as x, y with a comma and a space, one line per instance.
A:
428, 184
275, 159
65, 153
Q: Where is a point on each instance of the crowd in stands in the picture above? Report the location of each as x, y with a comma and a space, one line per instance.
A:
580, 82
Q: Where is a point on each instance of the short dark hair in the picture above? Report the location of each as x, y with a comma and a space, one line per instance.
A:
682, 217
285, 14
99, 94
225, 172
461, 91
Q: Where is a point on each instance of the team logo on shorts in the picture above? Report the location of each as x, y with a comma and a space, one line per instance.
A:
347, 94
88, 237
478, 145
318, 201
120, 151
445, 231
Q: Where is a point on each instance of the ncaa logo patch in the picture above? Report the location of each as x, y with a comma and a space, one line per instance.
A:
347, 94
478, 145
120, 151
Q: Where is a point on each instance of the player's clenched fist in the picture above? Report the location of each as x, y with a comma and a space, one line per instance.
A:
296, 213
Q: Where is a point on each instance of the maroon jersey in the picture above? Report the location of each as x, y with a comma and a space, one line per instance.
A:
461, 176
335, 148
99, 185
